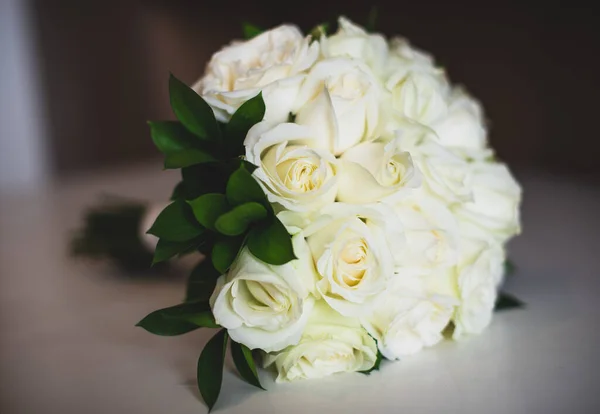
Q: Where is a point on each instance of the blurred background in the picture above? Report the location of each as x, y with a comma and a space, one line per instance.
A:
80, 78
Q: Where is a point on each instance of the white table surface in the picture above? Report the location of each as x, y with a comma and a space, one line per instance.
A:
68, 342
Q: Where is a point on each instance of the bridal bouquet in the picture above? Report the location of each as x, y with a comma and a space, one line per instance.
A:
345, 199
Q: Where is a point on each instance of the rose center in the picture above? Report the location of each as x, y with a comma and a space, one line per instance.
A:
266, 295
300, 175
353, 258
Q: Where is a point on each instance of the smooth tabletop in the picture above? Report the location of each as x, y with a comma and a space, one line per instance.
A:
68, 342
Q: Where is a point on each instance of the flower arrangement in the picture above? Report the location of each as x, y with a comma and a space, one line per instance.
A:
346, 200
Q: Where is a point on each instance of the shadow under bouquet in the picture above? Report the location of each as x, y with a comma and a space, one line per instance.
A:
346, 200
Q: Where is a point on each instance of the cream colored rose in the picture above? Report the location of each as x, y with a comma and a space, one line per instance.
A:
463, 129
478, 274
419, 95
354, 248
444, 173
353, 41
431, 230
403, 56
495, 203
272, 62
376, 171
263, 306
341, 100
404, 322
330, 343
294, 171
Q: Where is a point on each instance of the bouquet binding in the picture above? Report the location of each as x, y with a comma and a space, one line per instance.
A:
345, 199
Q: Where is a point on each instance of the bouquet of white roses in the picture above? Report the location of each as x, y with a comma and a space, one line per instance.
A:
345, 197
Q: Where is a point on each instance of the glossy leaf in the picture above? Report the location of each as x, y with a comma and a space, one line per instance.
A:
208, 207
210, 368
166, 249
271, 243
171, 136
176, 223
225, 251
204, 178
193, 111
244, 363
236, 221
187, 158
243, 188
201, 282
248, 114
178, 192
172, 321
203, 319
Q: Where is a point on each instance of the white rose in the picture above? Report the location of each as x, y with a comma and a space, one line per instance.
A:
478, 274
330, 343
272, 62
263, 306
404, 56
431, 230
353, 41
341, 100
376, 171
294, 171
407, 320
353, 247
496, 200
445, 174
420, 95
463, 129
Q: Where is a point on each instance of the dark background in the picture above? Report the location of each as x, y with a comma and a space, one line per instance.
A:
534, 66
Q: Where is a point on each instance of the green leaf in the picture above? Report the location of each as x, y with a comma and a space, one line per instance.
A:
319, 31
193, 111
250, 113
187, 157
243, 188
251, 30
178, 192
210, 368
506, 301
204, 178
225, 251
248, 166
271, 243
166, 249
201, 281
208, 207
509, 267
157, 325
203, 319
371, 20
176, 223
171, 321
236, 221
170, 136
244, 363
375, 366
